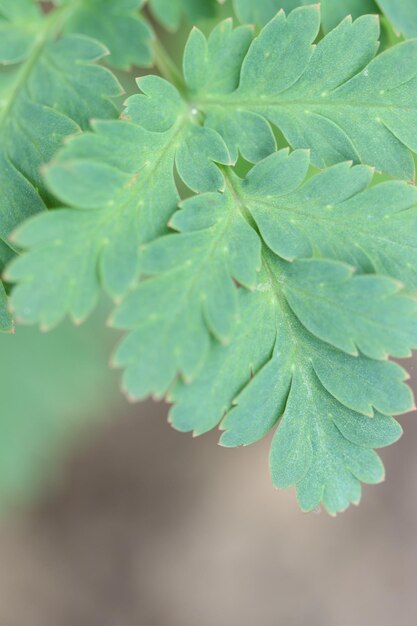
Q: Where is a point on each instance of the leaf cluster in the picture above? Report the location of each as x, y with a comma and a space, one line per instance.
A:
263, 272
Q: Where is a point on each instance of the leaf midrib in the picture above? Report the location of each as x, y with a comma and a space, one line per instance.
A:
200, 266
109, 214
298, 359
339, 224
52, 24
262, 102
354, 312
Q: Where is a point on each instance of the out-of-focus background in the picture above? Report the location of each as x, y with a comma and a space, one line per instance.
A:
108, 517
111, 518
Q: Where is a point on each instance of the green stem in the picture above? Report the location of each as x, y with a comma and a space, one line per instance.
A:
167, 68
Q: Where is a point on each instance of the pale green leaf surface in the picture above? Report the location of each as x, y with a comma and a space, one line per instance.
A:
118, 25
364, 313
19, 22
403, 15
263, 11
334, 214
227, 369
332, 11
191, 291
170, 12
323, 444
19, 11
225, 310
120, 182
341, 106
40, 106
213, 67
313, 316
293, 344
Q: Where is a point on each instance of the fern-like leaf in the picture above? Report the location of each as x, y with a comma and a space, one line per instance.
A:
332, 11
403, 14
121, 181
40, 105
118, 25
293, 282
322, 444
329, 332
341, 106
335, 214
222, 74
192, 293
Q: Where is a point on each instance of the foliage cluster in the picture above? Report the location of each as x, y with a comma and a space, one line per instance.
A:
253, 216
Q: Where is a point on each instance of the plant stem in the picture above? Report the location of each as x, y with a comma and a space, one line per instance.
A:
166, 67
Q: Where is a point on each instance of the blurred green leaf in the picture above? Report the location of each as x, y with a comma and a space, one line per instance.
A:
40, 105
403, 15
332, 11
53, 387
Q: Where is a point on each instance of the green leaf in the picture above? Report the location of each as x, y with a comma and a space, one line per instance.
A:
108, 243
403, 15
118, 25
343, 107
170, 12
280, 296
19, 21
213, 67
328, 330
332, 11
334, 406
55, 389
201, 405
263, 11
120, 181
40, 106
352, 312
334, 214
190, 292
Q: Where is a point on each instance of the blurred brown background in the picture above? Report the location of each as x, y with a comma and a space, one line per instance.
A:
144, 526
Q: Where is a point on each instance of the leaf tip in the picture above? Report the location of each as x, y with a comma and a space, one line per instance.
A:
13, 239
110, 320
130, 398
45, 167
375, 16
